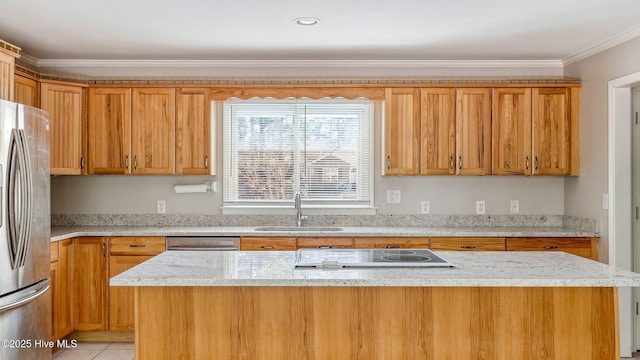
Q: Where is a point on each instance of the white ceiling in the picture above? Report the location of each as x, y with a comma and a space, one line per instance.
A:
349, 29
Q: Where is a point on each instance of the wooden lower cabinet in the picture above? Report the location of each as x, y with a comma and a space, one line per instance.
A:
581, 246
124, 253
267, 243
468, 244
391, 242
90, 283
61, 273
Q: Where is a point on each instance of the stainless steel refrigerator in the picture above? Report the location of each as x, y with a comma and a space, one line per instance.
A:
25, 298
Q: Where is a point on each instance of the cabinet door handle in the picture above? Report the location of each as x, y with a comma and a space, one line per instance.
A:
325, 247
460, 162
526, 163
388, 162
267, 247
206, 162
535, 159
550, 247
451, 163
137, 245
126, 162
467, 246
81, 162
135, 162
392, 246
104, 249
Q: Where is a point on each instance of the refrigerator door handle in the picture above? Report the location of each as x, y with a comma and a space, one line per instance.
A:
23, 296
26, 195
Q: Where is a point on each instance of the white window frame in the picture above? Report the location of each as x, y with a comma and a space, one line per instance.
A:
310, 208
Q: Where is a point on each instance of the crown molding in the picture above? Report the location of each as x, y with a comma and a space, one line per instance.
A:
29, 60
602, 46
89, 63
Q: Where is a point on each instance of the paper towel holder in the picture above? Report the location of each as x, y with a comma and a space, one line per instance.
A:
207, 186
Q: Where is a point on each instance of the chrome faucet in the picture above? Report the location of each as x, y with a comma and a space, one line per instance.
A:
297, 204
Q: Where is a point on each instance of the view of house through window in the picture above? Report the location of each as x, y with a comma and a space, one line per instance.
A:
275, 148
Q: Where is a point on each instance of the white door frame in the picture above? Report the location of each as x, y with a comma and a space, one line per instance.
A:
619, 189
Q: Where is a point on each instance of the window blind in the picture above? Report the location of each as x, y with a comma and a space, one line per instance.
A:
275, 148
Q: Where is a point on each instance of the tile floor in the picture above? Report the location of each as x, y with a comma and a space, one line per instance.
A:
97, 351
125, 351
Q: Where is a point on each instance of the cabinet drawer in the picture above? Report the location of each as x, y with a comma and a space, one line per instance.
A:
133, 245
391, 242
468, 244
581, 246
267, 243
54, 252
325, 242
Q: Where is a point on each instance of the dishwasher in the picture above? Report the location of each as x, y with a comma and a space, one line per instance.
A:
203, 243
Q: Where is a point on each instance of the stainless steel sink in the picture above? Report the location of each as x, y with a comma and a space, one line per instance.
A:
295, 228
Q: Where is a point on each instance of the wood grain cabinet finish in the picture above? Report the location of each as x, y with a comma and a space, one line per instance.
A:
473, 131
325, 242
7, 69
153, 131
124, 253
438, 131
402, 132
267, 243
90, 283
193, 132
26, 90
391, 242
109, 128
62, 290
511, 131
468, 244
581, 246
66, 127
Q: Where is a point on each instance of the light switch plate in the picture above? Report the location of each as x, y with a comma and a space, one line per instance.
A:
160, 207
605, 201
425, 207
480, 207
515, 206
394, 196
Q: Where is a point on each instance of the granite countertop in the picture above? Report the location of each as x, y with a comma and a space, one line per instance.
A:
61, 233
275, 268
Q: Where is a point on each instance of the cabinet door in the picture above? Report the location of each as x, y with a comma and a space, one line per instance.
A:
26, 91
109, 131
438, 131
63, 312
511, 136
90, 282
193, 135
153, 131
551, 131
402, 132
54, 275
121, 299
267, 243
473, 131
7, 68
64, 104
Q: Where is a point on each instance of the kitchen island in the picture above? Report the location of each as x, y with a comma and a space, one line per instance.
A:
490, 305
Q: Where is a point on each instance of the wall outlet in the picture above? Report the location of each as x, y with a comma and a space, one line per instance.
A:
515, 206
425, 207
394, 196
160, 207
480, 207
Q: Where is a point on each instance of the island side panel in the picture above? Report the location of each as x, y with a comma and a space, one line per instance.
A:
376, 323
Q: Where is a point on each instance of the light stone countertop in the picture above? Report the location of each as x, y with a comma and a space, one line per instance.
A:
275, 268
61, 233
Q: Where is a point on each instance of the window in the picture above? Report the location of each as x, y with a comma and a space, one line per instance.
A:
320, 148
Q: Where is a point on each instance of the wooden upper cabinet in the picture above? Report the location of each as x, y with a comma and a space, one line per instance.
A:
65, 106
402, 131
438, 131
473, 131
8, 55
552, 131
26, 91
511, 136
109, 131
193, 132
153, 131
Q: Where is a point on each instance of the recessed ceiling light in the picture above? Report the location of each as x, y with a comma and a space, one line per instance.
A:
306, 21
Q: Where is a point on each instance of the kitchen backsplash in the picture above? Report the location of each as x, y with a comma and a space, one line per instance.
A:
583, 224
